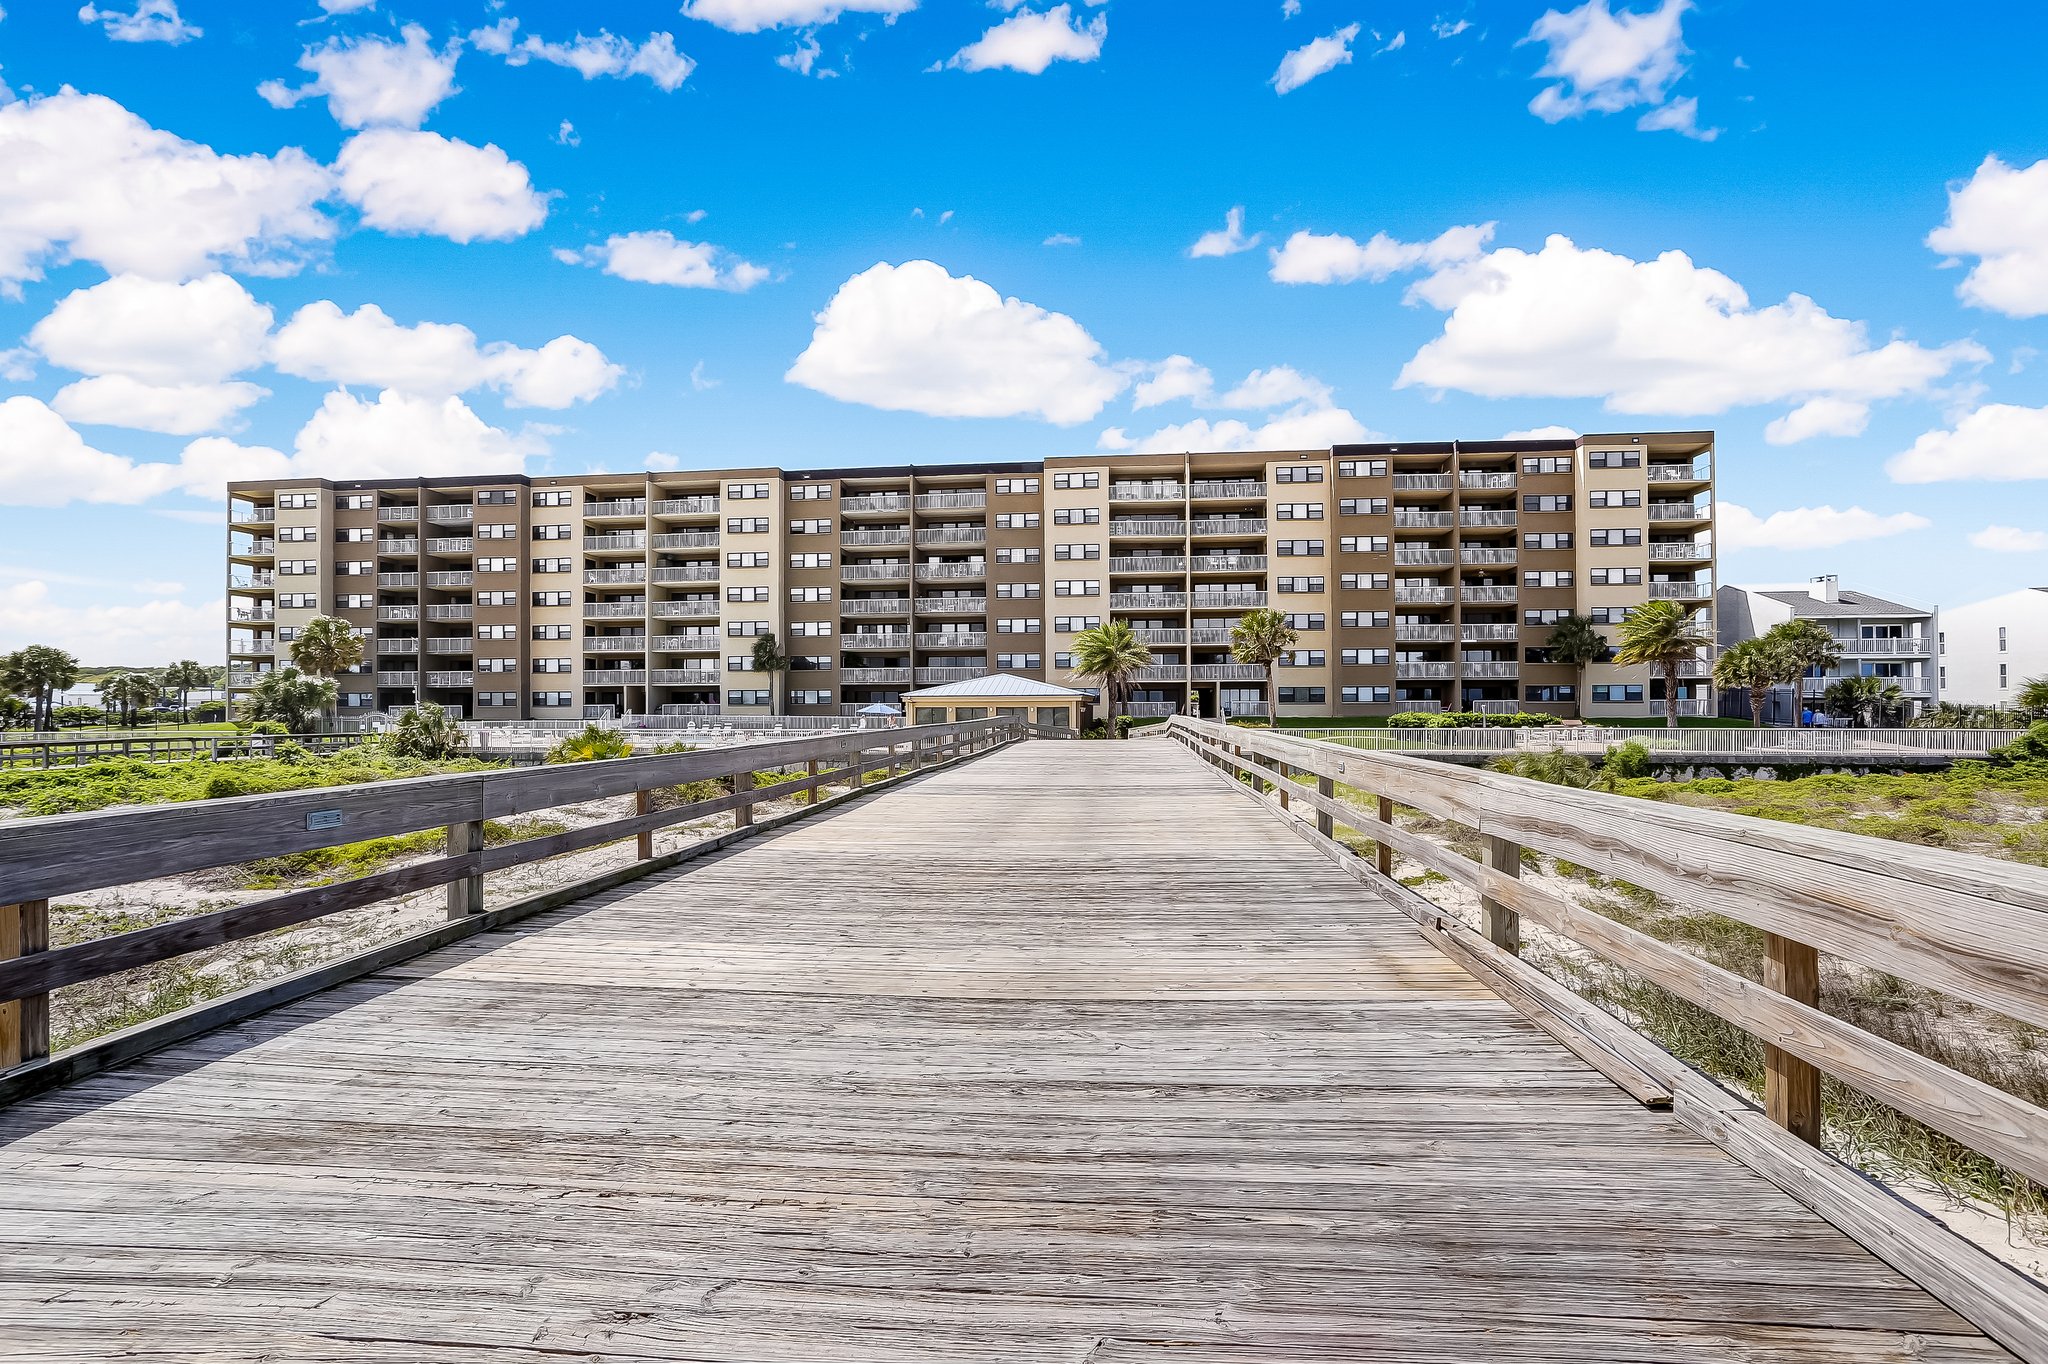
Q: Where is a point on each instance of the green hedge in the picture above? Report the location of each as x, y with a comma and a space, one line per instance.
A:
1465, 719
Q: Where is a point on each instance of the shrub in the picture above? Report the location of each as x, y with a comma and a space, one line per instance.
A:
75, 717
1123, 726
1627, 762
1466, 719
594, 744
292, 751
260, 727
425, 732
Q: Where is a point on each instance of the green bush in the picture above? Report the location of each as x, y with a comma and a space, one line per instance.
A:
426, 732
1123, 726
1466, 719
1627, 762
594, 744
95, 786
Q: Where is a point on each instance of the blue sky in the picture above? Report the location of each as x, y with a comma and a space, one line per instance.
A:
818, 233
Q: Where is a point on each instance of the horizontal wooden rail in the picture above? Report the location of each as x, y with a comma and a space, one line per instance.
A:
40, 753
65, 854
1972, 926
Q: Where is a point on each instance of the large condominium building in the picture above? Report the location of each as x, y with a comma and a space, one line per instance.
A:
1884, 639
1992, 649
1417, 576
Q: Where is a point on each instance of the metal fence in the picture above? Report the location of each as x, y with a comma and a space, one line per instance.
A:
1423, 741
1780, 744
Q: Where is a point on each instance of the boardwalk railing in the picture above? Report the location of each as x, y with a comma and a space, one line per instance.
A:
1972, 927
41, 859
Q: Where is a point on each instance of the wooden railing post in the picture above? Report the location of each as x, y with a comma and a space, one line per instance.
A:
643, 804
1383, 851
1283, 780
1792, 1086
24, 1022
742, 782
811, 771
466, 896
1326, 824
1503, 925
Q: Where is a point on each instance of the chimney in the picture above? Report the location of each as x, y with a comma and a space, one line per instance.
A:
1827, 587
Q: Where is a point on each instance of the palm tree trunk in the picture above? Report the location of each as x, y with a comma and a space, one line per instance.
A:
1671, 693
1579, 692
1757, 696
1272, 693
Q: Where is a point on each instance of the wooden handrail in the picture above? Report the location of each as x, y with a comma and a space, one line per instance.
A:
65, 854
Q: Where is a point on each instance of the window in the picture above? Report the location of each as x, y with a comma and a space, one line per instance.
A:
1550, 694
1307, 620
1016, 520
1018, 661
811, 492
810, 594
500, 497
1298, 584
554, 565
1077, 516
1064, 662
1018, 627
747, 593
1616, 538
1302, 696
1074, 625
497, 698
1302, 658
1617, 577
1361, 468
1364, 620
300, 601
1615, 497
1367, 695
555, 497
1614, 459
1547, 540
1547, 578
1007, 486
1077, 587
554, 665
1362, 506
544, 699
1546, 464
746, 492
357, 700
1088, 480
355, 501
1607, 615
1368, 658
553, 599
355, 602
746, 629
810, 561
1298, 549
355, 568
813, 697
497, 565
1017, 589
747, 559
497, 665
1363, 544
1365, 582
497, 632
298, 501
739, 663
1298, 473
1076, 552
1298, 511
356, 535
746, 698
1017, 555
811, 629
1549, 502
1617, 693
496, 599
295, 567
2001, 640
2001, 672
499, 530
747, 525
295, 534
813, 527
552, 631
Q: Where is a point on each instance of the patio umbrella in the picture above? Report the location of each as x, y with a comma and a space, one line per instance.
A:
879, 708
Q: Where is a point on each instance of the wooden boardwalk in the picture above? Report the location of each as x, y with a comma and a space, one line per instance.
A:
1066, 1054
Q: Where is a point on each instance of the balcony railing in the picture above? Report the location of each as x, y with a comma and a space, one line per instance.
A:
1161, 672
956, 501
1147, 492
1228, 600
952, 606
253, 516
687, 539
630, 610
1160, 639
1422, 672
953, 535
890, 571
1422, 558
1210, 634
938, 573
398, 580
685, 677
1689, 550
1428, 634
1422, 483
398, 646
878, 641
398, 679
1147, 528
883, 537
451, 513
707, 642
1479, 481
1423, 520
1889, 648
1148, 563
1699, 471
1471, 517
962, 639
615, 644
678, 610
938, 677
1227, 525
1480, 594
1488, 634
398, 613
875, 502
1148, 601
618, 506
398, 547
614, 677
1228, 563
1489, 671
1680, 591
460, 577
1229, 672
1151, 710
404, 513
252, 613
885, 675
686, 506
686, 573
1215, 489
246, 679
451, 679
880, 606
613, 577
262, 578
1678, 511
451, 611
451, 644
1469, 555
626, 540
261, 644
1424, 595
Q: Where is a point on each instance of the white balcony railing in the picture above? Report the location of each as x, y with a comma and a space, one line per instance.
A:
1225, 489
953, 501
689, 642
628, 540
686, 506
952, 606
1148, 563
680, 610
1147, 492
1147, 601
879, 606
686, 539
938, 573
627, 610
1227, 525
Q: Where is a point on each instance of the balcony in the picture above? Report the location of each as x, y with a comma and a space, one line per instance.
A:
938, 677
1488, 634
403, 513
398, 613
1220, 489
880, 641
1699, 706
687, 539
627, 540
615, 644
398, 547
686, 573
1147, 528
953, 535
1423, 595
398, 679
241, 680
939, 573
1163, 491
1228, 563
1468, 555
458, 644
614, 577
260, 578
1422, 520
452, 611
259, 647
949, 606
895, 676
252, 613
687, 506
451, 679
1422, 558
1161, 639
1481, 482
955, 501
671, 610
888, 571
616, 507
1887, 648
451, 514
1161, 672
398, 646
1486, 519
871, 504
1427, 634
1680, 591
1490, 671
631, 610
707, 642
948, 639
1422, 672
1148, 563
1483, 594
886, 606
1228, 525
1230, 601
1148, 601
1685, 551
452, 578
252, 516
615, 677
1697, 471
451, 544
1679, 511
1422, 483
258, 548
881, 537
684, 677
1229, 672
398, 580
1210, 634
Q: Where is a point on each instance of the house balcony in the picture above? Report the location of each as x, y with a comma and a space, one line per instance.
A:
1489, 634
1162, 639
615, 508
1431, 596
1481, 481
398, 580
951, 606
398, 679
1887, 648
1686, 551
1210, 634
262, 578
686, 573
1229, 672
1481, 595
1228, 601
890, 606
615, 677
1489, 672
451, 514
706, 643
686, 539
262, 646
963, 500
451, 679
1220, 526
1148, 601
1161, 672
252, 613
243, 680
1485, 556
1148, 563
451, 644
953, 535
684, 677
452, 578
1422, 672
633, 541
451, 611
875, 504
687, 506
615, 577
938, 677
628, 610
1147, 528
1162, 491
1409, 557
670, 610
895, 571
252, 516
401, 549
1679, 511
398, 515
615, 644
452, 544
1681, 591
1227, 490
880, 641
942, 639
1496, 520
1228, 563
882, 676
1695, 471
1417, 519
398, 646
398, 613
943, 572
878, 537
1422, 483
1427, 634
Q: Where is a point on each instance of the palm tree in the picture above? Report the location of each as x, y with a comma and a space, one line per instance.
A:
1261, 637
1576, 641
14, 711
40, 672
2032, 701
1802, 646
290, 698
1111, 653
1663, 635
129, 692
1853, 698
769, 659
184, 677
326, 646
1750, 666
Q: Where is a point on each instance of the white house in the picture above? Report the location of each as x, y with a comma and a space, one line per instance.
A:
1990, 649
1879, 638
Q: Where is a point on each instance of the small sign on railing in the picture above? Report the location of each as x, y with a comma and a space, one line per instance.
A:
323, 819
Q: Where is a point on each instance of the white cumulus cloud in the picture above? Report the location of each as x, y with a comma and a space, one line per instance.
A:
663, 258
151, 21
1309, 258
1313, 59
144, 634
602, 55
1304, 427
435, 359
1030, 41
174, 409
399, 435
1808, 527
85, 179
752, 16
913, 338
155, 331
1603, 62
2000, 216
1819, 417
2010, 540
413, 183
1226, 240
44, 463
373, 82
1996, 443
1171, 380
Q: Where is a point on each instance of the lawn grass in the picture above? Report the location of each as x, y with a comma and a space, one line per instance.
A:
95, 786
